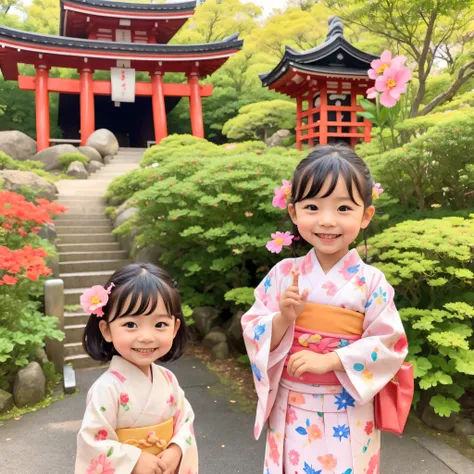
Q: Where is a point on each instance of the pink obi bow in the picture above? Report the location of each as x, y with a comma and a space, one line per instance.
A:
320, 343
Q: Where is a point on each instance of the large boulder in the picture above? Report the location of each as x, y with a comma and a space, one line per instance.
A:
30, 385
17, 145
77, 170
216, 336
6, 401
278, 138
50, 156
104, 142
91, 153
204, 318
94, 166
14, 180
234, 333
440, 423
220, 351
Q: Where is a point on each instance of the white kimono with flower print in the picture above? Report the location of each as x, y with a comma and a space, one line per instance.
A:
353, 447
124, 397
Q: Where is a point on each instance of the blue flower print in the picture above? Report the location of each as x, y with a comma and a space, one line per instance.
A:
341, 432
369, 303
344, 400
257, 372
267, 284
347, 471
354, 269
343, 343
380, 296
258, 331
310, 470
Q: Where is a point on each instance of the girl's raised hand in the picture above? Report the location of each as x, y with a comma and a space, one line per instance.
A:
292, 303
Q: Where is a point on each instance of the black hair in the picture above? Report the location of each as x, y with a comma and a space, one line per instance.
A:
137, 290
331, 161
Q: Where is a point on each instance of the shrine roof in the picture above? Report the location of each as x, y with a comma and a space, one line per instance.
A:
335, 57
18, 46
134, 7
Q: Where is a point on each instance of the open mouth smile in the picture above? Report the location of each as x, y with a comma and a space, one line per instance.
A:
145, 351
328, 237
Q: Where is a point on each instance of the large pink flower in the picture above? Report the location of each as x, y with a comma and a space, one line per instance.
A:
380, 65
282, 195
279, 240
392, 84
94, 299
372, 93
100, 466
294, 457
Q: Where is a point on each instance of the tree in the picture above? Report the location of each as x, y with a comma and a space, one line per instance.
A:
305, 5
257, 121
42, 16
426, 31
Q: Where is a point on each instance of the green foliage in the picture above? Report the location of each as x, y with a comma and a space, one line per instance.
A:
260, 120
69, 158
429, 263
8, 163
241, 297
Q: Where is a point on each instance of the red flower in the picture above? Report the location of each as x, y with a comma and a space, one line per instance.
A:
7, 226
22, 232
124, 398
9, 280
374, 464
369, 427
101, 435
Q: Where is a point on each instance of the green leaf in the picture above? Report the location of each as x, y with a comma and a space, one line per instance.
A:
444, 406
369, 116
421, 366
110, 451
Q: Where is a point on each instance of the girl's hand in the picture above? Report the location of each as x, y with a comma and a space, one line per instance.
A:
292, 303
171, 457
307, 361
149, 464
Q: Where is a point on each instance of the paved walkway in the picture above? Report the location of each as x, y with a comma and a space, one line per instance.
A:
44, 442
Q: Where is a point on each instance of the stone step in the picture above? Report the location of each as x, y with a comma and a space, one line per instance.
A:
91, 265
87, 238
74, 333
80, 215
85, 279
84, 208
72, 319
89, 247
84, 221
94, 255
92, 229
73, 295
82, 361
73, 349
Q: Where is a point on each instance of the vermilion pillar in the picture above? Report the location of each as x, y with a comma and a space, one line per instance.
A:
42, 107
87, 105
159, 109
195, 104
323, 115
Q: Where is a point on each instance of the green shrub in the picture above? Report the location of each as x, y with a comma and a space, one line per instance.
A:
69, 158
429, 263
251, 146
8, 163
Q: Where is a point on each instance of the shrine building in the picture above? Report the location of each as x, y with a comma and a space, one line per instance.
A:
124, 39
326, 82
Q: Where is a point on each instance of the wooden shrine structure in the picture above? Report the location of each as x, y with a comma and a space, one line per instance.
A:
124, 38
326, 82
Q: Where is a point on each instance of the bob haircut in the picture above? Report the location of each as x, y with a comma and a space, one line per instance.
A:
137, 290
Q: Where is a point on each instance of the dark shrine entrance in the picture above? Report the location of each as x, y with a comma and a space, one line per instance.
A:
131, 123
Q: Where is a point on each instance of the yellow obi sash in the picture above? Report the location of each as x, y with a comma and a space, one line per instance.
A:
331, 319
152, 439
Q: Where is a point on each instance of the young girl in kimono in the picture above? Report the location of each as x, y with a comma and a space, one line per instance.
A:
137, 419
323, 336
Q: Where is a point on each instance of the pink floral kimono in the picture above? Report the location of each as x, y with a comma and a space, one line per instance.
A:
324, 424
124, 397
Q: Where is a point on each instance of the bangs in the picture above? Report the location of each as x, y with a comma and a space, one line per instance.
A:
314, 174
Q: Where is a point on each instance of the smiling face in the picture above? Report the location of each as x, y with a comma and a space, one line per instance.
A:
330, 223
144, 338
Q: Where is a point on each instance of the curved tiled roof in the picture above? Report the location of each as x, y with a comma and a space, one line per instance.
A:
134, 7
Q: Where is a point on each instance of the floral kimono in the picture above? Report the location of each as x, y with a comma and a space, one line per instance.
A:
125, 398
322, 424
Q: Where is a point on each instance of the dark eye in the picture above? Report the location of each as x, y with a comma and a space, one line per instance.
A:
130, 325
161, 325
311, 207
344, 208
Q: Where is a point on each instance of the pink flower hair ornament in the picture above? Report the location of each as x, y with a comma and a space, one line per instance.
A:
95, 298
279, 240
282, 195
376, 191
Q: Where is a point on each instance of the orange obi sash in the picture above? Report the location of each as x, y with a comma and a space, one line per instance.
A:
322, 328
152, 439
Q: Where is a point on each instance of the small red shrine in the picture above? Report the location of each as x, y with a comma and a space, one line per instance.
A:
326, 82
124, 38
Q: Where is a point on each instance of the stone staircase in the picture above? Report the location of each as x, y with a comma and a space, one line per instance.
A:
88, 251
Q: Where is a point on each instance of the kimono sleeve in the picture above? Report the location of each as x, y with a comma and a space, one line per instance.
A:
98, 448
183, 432
267, 366
371, 362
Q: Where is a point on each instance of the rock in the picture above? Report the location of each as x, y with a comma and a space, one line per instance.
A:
115, 201
6, 401
94, 166
107, 159
41, 356
124, 216
464, 427
277, 138
122, 207
30, 385
150, 254
14, 180
204, 318
91, 153
78, 170
104, 142
470, 441
221, 351
50, 156
216, 336
17, 145
440, 423
48, 232
234, 333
